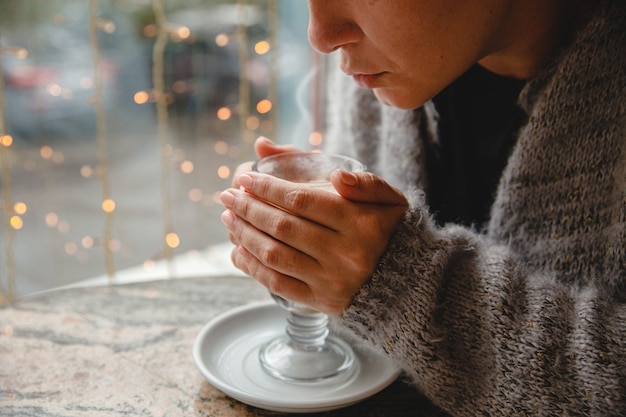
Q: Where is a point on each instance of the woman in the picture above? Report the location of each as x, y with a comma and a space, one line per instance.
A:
485, 251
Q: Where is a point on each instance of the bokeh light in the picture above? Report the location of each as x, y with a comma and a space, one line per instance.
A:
6, 140
223, 172
264, 106
186, 167
262, 47
45, 152
52, 219
16, 222
315, 139
172, 240
222, 40
224, 113
141, 97
221, 147
20, 208
108, 205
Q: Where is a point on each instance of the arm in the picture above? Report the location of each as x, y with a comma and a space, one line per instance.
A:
477, 332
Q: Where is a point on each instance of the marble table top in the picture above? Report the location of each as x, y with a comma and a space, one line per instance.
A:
127, 350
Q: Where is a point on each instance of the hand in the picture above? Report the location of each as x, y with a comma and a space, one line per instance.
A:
320, 248
263, 147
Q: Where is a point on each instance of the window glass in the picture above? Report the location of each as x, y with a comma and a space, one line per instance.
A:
121, 121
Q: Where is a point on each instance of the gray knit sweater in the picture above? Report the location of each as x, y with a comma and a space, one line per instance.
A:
529, 316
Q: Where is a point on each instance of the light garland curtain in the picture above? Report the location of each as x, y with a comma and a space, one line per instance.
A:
252, 112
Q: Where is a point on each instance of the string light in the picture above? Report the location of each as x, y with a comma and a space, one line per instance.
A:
186, 167
171, 158
108, 205
20, 208
172, 240
244, 82
105, 25
262, 47
18, 52
52, 220
86, 171
264, 106
141, 97
70, 248
222, 40
114, 245
87, 242
315, 139
6, 140
224, 113
221, 147
253, 123
158, 89
223, 172
45, 152
7, 292
16, 222
195, 195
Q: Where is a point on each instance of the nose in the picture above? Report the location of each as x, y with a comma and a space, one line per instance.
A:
331, 26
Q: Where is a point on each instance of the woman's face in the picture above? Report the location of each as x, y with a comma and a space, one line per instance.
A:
408, 50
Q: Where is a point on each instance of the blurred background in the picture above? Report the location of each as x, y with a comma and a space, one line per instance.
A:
122, 120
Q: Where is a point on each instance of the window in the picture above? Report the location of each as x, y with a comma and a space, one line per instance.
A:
121, 121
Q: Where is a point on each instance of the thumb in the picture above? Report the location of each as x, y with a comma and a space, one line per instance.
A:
365, 187
265, 147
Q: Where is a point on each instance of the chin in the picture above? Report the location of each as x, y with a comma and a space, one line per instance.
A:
400, 99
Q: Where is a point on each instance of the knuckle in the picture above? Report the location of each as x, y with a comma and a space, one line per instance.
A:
361, 262
274, 284
270, 255
282, 227
297, 199
255, 270
243, 207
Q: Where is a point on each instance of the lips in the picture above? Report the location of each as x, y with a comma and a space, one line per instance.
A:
367, 80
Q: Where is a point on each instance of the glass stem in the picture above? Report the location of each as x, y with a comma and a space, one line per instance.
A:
307, 331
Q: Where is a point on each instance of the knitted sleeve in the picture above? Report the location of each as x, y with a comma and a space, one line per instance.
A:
478, 334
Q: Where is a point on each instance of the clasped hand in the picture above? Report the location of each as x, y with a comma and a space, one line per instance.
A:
305, 244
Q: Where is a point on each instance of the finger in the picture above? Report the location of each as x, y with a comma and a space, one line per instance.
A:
265, 147
241, 169
319, 204
365, 187
276, 282
295, 231
270, 252
228, 219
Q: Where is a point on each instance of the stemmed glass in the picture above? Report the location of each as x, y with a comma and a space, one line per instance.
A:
306, 352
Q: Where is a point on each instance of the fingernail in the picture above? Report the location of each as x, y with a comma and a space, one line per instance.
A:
227, 199
348, 178
228, 219
264, 139
246, 181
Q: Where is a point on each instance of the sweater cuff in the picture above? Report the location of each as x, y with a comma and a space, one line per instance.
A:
409, 270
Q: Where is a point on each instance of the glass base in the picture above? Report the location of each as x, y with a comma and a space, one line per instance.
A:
286, 360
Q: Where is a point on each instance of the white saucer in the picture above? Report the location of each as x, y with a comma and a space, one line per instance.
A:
226, 353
